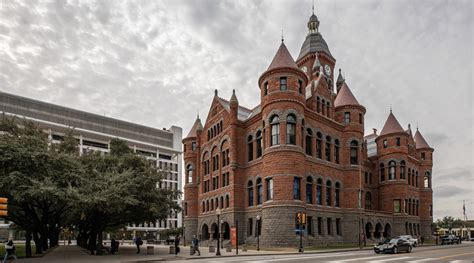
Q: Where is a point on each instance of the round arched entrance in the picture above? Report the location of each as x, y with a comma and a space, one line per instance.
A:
369, 229
387, 233
205, 232
225, 231
378, 230
214, 231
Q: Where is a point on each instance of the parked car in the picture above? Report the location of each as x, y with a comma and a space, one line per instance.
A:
394, 246
413, 241
449, 239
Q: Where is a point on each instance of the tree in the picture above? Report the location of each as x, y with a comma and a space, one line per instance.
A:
119, 189
38, 180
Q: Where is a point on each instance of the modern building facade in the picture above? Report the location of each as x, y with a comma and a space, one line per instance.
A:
94, 133
303, 149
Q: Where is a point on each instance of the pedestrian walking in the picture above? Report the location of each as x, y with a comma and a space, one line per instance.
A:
138, 242
195, 245
10, 250
422, 239
176, 245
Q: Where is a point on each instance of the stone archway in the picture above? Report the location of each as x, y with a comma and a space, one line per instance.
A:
205, 232
378, 231
225, 231
214, 231
387, 233
369, 230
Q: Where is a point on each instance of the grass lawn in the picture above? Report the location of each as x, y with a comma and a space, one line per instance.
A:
20, 250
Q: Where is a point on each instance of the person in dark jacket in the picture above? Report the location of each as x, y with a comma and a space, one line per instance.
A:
195, 245
138, 242
9, 251
176, 245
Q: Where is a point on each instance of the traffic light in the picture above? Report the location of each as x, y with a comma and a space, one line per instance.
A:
3, 206
298, 218
303, 218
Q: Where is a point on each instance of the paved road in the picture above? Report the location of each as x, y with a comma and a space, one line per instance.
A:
450, 253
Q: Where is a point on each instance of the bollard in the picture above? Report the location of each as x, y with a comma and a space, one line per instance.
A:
150, 250
212, 249
171, 249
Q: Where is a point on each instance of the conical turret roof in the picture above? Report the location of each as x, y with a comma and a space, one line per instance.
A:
391, 125
197, 126
282, 59
420, 141
345, 97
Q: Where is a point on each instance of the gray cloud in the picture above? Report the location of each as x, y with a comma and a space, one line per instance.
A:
158, 62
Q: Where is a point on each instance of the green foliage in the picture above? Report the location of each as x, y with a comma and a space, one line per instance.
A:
51, 186
449, 222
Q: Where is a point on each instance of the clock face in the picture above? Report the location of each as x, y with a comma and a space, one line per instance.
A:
304, 69
327, 70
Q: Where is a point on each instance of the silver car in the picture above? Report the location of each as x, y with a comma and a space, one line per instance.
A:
413, 241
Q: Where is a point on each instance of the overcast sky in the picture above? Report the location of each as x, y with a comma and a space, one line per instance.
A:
158, 62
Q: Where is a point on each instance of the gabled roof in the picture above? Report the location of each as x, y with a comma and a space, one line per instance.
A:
345, 97
420, 142
282, 59
391, 125
242, 112
196, 126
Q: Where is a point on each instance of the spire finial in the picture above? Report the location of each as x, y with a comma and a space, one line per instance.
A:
390, 108
282, 37
417, 126
313, 7
215, 92
198, 114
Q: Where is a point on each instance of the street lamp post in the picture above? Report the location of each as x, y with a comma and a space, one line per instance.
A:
221, 235
258, 233
218, 212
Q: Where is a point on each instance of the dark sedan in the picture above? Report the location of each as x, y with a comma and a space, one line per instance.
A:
394, 246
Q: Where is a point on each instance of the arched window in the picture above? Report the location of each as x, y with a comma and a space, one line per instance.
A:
409, 176
309, 190
319, 190
368, 201
416, 179
291, 129
328, 148
426, 180
328, 193
207, 205
250, 148
309, 142
222, 202
318, 105
336, 151
297, 188
328, 111
402, 170
203, 206
382, 172
250, 192
319, 142
221, 126
354, 152
275, 130
208, 135
337, 195
227, 201
189, 173
212, 204
259, 191
323, 108
391, 170
217, 202
269, 185
259, 143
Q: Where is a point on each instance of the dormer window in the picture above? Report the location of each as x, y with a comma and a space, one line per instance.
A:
385, 144
300, 86
265, 88
193, 146
283, 83
398, 141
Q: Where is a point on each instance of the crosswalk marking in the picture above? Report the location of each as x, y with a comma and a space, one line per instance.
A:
356, 259
389, 259
297, 257
422, 260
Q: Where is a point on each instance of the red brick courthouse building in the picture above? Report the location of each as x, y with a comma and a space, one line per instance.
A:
303, 149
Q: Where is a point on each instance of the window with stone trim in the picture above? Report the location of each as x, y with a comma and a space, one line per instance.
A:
269, 186
300, 86
402, 170
337, 191
250, 193
259, 191
329, 226
426, 180
320, 226
338, 227
319, 190
265, 88
382, 172
297, 188
347, 117
368, 201
336, 151
309, 190
396, 206
319, 145
189, 173
309, 142
283, 84
391, 170
328, 193
354, 149
258, 141
328, 148
275, 130
249, 148
291, 129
